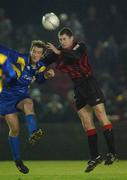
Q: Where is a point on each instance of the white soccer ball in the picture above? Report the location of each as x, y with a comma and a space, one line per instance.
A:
50, 21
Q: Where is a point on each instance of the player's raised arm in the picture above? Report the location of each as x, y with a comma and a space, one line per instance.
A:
41, 77
6, 66
50, 58
49, 74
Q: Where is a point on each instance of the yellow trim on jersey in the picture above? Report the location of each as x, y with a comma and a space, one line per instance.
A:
42, 68
16, 70
1, 72
2, 58
21, 61
1, 80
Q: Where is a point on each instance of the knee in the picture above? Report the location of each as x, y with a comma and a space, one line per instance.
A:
28, 107
87, 121
14, 132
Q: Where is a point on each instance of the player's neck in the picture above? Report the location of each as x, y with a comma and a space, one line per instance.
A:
33, 65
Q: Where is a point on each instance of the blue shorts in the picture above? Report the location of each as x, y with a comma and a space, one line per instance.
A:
9, 101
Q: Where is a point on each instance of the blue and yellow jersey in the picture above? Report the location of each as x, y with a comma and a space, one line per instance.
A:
18, 65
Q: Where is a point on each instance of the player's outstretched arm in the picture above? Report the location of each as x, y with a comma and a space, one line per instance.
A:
51, 47
49, 74
6, 61
41, 77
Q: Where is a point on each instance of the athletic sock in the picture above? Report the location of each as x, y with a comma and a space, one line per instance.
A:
15, 147
93, 143
31, 123
108, 134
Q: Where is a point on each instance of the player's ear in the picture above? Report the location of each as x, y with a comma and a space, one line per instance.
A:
72, 37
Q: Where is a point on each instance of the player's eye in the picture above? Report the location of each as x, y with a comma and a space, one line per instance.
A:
64, 39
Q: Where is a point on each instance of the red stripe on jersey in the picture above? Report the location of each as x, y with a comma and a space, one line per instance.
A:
78, 69
85, 65
70, 69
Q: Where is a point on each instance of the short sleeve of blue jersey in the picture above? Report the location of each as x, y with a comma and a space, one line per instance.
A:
12, 55
41, 63
40, 78
4, 54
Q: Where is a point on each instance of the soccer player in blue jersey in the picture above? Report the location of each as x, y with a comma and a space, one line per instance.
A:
20, 70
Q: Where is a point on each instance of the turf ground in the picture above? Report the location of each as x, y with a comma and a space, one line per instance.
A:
63, 170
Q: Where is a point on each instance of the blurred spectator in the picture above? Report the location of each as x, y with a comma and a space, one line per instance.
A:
63, 19
36, 95
70, 100
123, 52
76, 26
55, 106
106, 56
92, 26
5, 28
115, 21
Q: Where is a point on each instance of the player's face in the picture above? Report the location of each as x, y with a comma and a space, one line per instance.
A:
66, 41
36, 54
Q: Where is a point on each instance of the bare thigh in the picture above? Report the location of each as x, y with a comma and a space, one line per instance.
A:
101, 114
86, 116
26, 105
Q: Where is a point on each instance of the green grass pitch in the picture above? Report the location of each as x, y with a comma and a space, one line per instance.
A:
63, 170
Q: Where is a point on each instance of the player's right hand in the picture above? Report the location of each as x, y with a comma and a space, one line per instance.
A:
49, 74
50, 46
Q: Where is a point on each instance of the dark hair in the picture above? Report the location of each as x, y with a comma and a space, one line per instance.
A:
66, 31
39, 44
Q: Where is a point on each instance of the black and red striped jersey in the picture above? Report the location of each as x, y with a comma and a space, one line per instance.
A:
74, 61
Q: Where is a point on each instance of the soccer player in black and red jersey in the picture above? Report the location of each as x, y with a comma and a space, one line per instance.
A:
72, 58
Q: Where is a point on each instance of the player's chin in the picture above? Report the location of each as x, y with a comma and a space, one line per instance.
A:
65, 47
36, 60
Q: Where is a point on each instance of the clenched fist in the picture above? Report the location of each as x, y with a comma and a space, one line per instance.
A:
49, 74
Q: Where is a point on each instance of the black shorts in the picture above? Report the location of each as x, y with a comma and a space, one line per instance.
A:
87, 92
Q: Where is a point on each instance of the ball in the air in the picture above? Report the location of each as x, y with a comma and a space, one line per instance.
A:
50, 21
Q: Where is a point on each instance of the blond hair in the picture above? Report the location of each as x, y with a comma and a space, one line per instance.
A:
39, 44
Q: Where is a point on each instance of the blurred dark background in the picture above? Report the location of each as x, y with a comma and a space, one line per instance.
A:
103, 26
